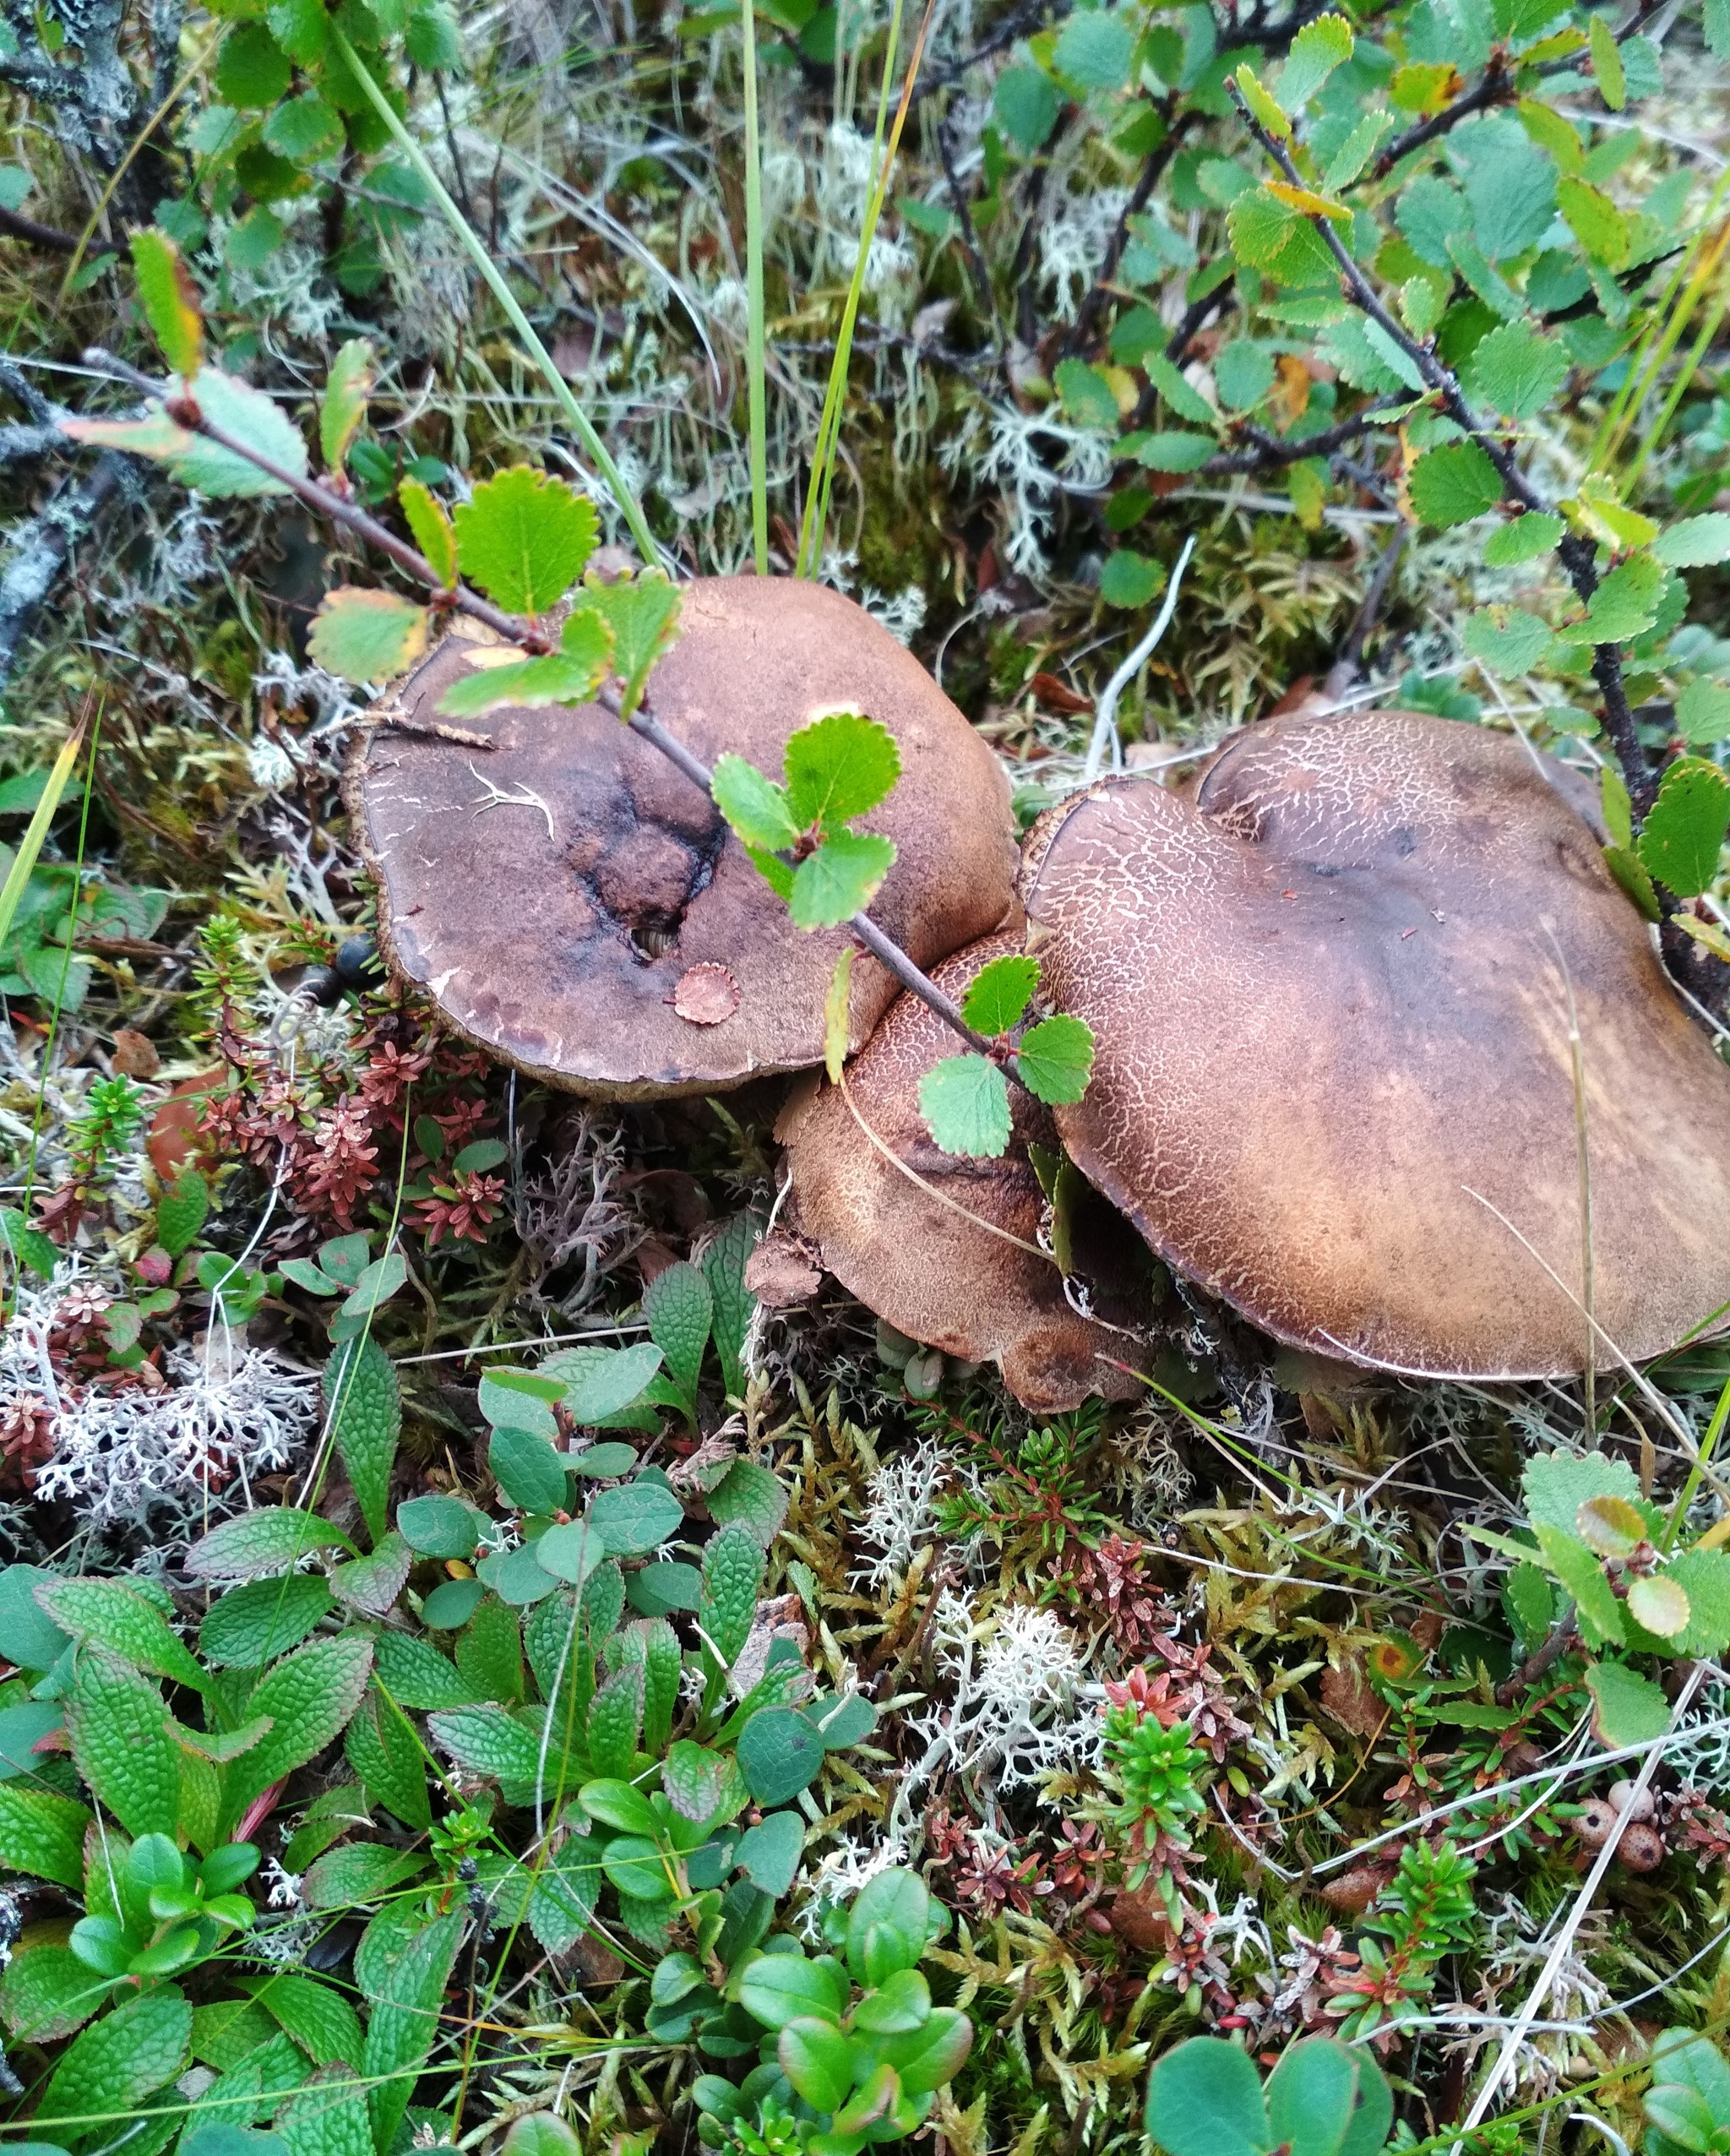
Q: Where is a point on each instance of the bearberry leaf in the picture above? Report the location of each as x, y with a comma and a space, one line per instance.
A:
116, 2062
524, 538
252, 1625
367, 636
272, 1538
753, 805
840, 879
1453, 484
364, 1402
999, 993
1055, 1059
118, 1617
966, 1103
837, 768
1683, 836
169, 300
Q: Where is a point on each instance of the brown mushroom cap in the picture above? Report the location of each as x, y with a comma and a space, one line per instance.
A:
577, 907
1331, 998
931, 1272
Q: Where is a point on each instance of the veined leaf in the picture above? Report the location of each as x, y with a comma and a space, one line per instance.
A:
433, 531
365, 636
999, 993
343, 405
118, 1617
524, 538
839, 767
966, 1103
169, 300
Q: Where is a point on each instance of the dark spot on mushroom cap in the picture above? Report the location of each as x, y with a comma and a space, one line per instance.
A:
936, 1275
1316, 1092
551, 893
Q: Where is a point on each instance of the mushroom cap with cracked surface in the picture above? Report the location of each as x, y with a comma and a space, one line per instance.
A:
914, 1252
1335, 1073
576, 907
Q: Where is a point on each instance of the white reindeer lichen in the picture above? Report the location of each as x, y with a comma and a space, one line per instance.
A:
1013, 1714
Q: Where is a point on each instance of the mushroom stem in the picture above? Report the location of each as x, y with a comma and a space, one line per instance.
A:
642, 721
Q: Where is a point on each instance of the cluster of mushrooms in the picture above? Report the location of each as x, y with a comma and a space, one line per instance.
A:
1384, 1057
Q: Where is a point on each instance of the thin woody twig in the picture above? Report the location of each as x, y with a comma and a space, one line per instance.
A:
1577, 553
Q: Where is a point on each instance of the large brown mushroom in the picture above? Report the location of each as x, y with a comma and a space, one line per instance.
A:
1334, 1082
576, 907
916, 1252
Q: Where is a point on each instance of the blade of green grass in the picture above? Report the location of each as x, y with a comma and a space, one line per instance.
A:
829, 426
755, 359
629, 507
30, 847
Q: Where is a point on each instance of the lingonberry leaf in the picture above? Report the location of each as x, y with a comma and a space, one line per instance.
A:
524, 538
755, 806
966, 1103
1055, 1059
839, 767
363, 635
169, 300
840, 879
434, 533
999, 993
1683, 836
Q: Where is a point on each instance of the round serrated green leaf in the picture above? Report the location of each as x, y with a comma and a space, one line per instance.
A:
965, 1101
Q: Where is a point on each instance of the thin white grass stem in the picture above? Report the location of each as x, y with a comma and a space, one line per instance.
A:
755, 359
1105, 724
629, 507
1521, 2025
